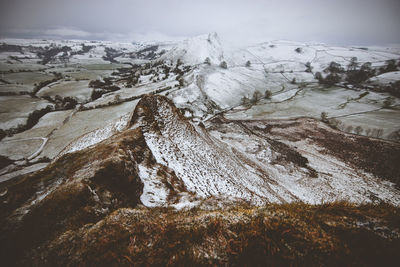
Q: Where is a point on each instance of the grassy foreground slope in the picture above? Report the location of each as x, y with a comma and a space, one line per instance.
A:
288, 234
93, 207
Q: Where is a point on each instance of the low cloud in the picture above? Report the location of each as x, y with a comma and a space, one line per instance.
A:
331, 21
67, 32
152, 36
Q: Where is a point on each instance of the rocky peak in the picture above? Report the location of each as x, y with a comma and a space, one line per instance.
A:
155, 112
162, 160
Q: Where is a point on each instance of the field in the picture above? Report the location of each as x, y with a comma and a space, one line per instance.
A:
77, 89
60, 114
350, 108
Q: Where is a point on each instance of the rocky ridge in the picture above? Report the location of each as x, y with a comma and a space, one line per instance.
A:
163, 160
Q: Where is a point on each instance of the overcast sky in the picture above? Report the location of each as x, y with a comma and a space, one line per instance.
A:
344, 22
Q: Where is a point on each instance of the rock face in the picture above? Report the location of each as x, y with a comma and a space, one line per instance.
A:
162, 159
204, 166
77, 189
247, 161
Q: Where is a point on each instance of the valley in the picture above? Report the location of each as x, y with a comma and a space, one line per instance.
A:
232, 137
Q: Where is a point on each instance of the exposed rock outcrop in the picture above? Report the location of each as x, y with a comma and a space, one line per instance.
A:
77, 189
163, 160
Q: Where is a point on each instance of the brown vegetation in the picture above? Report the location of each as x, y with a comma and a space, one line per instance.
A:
378, 157
77, 189
277, 235
84, 208
375, 156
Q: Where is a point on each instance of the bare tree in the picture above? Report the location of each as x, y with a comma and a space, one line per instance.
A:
267, 94
324, 116
359, 130
256, 97
349, 129
335, 123
353, 65
245, 101
388, 102
223, 65
318, 76
308, 67
377, 133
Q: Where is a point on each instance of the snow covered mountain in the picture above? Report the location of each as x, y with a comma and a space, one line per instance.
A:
71, 81
168, 161
240, 161
196, 50
110, 132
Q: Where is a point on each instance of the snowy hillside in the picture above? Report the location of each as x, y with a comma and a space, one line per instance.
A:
111, 150
68, 84
243, 165
168, 161
196, 50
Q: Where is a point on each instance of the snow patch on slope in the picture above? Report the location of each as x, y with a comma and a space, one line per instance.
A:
154, 192
195, 50
205, 168
97, 135
386, 78
336, 179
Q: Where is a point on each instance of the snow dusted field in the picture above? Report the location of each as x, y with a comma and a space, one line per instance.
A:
230, 157
14, 110
350, 108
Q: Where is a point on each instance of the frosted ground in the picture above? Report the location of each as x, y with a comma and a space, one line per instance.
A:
205, 90
350, 108
78, 89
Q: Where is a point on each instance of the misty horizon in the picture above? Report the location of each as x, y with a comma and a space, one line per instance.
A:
352, 22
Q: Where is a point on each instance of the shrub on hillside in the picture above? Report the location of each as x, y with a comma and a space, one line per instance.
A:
223, 65
245, 101
334, 67
267, 94
334, 74
256, 97
308, 67
357, 76
389, 67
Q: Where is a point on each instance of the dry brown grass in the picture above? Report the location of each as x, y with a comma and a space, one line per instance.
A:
276, 235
